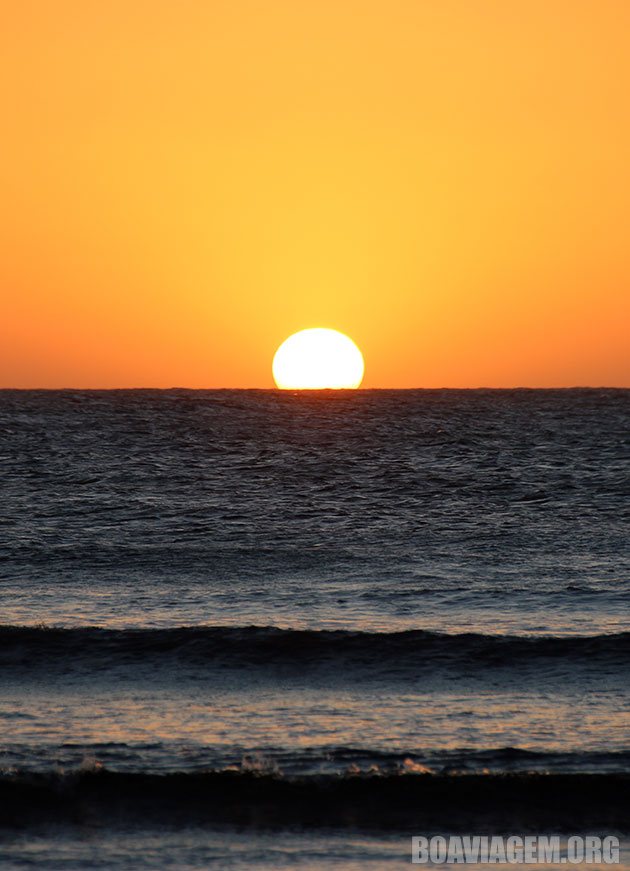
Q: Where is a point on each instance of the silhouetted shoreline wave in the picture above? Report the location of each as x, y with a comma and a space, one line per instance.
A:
418, 801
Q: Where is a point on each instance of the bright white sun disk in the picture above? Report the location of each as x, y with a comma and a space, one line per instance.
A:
318, 359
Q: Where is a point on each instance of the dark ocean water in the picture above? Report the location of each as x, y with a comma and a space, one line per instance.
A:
309, 592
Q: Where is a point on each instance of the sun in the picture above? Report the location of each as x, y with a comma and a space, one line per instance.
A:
318, 359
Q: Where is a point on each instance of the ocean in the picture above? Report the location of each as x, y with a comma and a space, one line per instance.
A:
266, 629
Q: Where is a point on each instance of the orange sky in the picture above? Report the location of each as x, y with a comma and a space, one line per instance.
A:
184, 184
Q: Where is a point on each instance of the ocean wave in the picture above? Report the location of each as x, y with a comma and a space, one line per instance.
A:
253, 647
175, 756
252, 798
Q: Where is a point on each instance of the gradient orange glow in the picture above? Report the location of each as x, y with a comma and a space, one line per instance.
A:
185, 184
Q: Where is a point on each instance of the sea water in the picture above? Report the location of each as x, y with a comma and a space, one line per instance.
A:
307, 591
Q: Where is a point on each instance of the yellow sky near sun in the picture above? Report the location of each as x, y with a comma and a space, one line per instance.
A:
183, 185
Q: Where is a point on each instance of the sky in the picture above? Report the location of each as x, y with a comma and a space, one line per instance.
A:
184, 185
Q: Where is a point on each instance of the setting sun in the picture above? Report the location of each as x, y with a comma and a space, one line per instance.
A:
317, 359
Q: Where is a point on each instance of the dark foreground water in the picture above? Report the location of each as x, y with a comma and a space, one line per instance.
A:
252, 628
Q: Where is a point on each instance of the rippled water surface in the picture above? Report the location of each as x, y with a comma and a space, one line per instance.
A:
373, 509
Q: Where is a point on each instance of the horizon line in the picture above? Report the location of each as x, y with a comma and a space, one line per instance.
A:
310, 390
